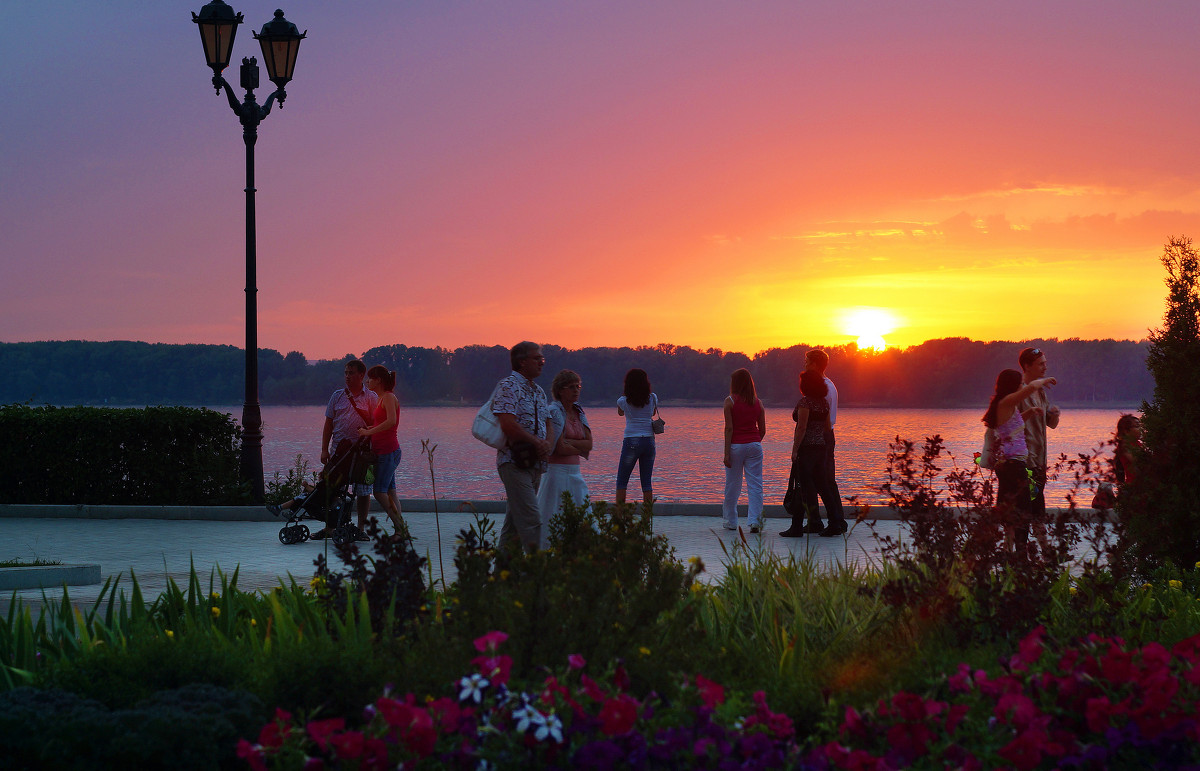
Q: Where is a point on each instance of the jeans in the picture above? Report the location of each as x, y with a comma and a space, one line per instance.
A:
744, 459
522, 520
639, 450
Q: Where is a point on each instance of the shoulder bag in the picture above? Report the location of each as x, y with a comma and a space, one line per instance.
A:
658, 425
486, 427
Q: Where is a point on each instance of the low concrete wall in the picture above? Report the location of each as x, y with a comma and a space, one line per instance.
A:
408, 505
48, 576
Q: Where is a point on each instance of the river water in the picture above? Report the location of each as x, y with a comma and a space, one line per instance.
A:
688, 465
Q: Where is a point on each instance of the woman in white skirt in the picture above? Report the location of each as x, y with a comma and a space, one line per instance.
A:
571, 438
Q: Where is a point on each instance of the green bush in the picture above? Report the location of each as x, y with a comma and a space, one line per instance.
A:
194, 727
91, 455
606, 589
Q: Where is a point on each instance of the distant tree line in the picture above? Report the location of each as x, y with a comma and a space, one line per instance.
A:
949, 372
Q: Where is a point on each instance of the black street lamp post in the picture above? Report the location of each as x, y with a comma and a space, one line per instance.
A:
280, 41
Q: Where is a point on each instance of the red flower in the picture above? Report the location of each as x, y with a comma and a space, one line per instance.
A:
413, 725
778, 725
447, 712
576, 661
321, 730
490, 641
348, 745
1117, 667
1016, 709
621, 678
955, 717
618, 715
375, 755
1025, 751
252, 754
314, 764
911, 740
591, 689
853, 723
495, 668
711, 693
1100, 712
1029, 650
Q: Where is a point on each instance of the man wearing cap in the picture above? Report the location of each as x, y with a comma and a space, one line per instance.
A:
1039, 415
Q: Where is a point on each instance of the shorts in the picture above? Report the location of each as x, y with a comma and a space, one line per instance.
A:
385, 471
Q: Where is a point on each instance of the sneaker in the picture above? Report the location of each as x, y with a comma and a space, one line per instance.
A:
728, 526
274, 509
833, 530
792, 532
756, 528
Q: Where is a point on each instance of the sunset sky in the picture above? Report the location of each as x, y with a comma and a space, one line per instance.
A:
742, 175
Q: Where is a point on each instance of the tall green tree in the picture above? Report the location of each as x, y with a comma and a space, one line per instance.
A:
1162, 505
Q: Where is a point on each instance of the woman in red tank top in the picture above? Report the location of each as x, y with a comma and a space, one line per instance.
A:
745, 427
384, 443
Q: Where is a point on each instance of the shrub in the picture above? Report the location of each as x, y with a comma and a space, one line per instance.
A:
154, 456
955, 570
194, 727
607, 588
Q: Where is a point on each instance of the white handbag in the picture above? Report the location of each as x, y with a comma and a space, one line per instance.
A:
486, 427
987, 458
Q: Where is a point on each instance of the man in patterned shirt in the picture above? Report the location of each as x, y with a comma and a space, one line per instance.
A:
349, 409
1039, 415
520, 406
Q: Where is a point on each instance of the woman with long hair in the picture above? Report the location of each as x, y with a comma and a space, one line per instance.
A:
384, 442
745, 427
571, 439
809, 453
1127, 440
638, 404
1013, 501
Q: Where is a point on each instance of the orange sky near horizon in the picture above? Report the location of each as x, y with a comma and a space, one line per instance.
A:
740, 176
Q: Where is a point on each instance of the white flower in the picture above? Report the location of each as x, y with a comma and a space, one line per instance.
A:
472, 688
551, 727
525, 716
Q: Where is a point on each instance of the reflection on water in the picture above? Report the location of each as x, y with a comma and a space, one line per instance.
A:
688, 467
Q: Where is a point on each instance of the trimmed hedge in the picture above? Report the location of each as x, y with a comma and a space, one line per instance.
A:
165, 456
194, 727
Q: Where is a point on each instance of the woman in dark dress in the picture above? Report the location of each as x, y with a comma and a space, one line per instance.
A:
808, 452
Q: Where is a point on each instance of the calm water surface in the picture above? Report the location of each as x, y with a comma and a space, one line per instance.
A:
688, 467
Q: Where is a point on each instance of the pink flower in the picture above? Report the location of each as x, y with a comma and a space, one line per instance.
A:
955, 716
711, 693
314, 764
375, 755
1025, 751
618, 715
495, 668
591, 689
413, 724
321, 730
447, 712
853, 723
275, 733
1016, 709
1029, 649
490, 641
621, 678
911, 740
348, 745
252, 754
576, 661
1099, 713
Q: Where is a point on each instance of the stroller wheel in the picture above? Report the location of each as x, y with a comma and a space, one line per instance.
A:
342, 536
285, 536
303, 533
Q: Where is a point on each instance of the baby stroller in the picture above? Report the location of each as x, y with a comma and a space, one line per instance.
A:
331, 501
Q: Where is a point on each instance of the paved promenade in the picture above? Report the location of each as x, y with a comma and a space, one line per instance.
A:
160, 549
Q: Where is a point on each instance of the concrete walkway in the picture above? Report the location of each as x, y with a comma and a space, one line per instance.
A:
160, 549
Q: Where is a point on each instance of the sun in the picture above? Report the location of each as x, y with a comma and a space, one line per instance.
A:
869, 325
